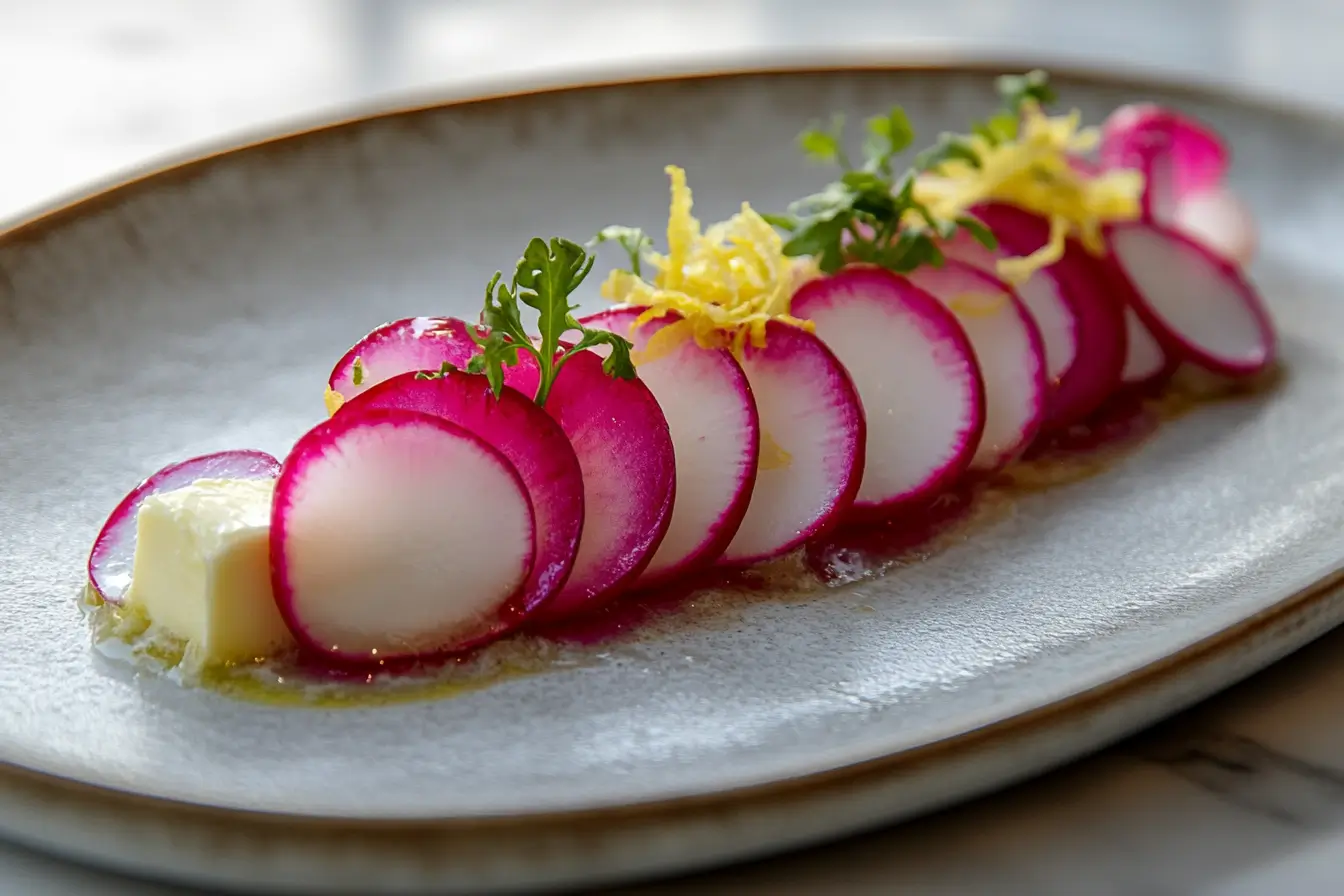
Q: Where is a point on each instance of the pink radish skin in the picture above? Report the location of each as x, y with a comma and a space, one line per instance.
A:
113, 553
1102, 343
711, 416
1043, 298
531, 441
396, 535
408, 344
1008, 351
921, 391
625, 453
1197, 304
1221, 221
1178, 155
812, 444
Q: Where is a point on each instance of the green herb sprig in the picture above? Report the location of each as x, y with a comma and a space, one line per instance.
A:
544, 279
864, 216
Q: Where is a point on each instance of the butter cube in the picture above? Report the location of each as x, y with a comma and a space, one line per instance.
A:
202, 569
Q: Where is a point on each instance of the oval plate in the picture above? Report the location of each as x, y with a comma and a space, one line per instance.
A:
200, 308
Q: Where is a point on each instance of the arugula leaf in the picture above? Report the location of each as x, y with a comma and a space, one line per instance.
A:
888, 135
546, 276
634, 241
825, 144
1015, 90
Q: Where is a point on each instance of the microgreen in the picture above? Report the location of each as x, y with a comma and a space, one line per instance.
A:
634, 241
870, 214
357, 372
544, 279
1015, 90
444, 369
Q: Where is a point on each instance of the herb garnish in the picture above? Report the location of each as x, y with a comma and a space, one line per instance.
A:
545, 278
870, 214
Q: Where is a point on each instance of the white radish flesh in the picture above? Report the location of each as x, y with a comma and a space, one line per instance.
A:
1008, 351
812, 442
1221, 221
1197, 304
712, 419
397, 534
915, 371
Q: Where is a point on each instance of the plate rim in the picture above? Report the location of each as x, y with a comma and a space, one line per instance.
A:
195, 160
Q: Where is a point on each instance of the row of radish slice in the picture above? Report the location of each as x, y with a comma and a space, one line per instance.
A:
776, 396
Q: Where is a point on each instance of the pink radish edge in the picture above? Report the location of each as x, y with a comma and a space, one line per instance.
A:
411, 343
625, 453
113, 555
917, 379
1198, 304
1177, 155
342, 535
1008, 350
528, 437
715, 429
1100, 321
813, 439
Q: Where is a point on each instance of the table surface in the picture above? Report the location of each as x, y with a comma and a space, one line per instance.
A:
1244, 795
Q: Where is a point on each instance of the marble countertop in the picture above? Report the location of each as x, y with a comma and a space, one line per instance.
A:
1244, 795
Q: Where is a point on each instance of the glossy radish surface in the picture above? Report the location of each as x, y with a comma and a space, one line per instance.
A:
1197, 304
712, 419
1098, 314
1008, 351
412, 343
531, 441
1178, 155
626, 456
1044, 299
915, 371
113, 554
398, 534
1221, 221
812, 444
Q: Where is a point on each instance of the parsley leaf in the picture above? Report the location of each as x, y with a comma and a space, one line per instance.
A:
825, 144
1015, 90
546, 276
634, 241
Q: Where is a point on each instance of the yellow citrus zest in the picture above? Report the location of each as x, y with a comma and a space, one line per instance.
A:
1034, 172
977, 304
726, 283
333, 401
772, 455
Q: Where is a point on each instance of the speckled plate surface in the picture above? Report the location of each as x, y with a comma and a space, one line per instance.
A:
200, 308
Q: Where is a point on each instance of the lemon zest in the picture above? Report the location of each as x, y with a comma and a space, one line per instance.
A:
333, 400
977, 304
726, 283
1034, 172
772, 455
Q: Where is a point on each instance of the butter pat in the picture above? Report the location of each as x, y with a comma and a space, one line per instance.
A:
202, 569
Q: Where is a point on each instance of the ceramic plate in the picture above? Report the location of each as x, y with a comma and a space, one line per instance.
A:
200, 308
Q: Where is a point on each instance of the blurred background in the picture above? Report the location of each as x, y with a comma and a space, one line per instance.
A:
91, 87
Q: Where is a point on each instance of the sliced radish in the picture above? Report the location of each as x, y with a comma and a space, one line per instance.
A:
921, 391
1145, 360
628, 463
1221, 221
397, 534
1008, 351
1043, 297
711, 416
812, 444
531, 441
1197, 304
413, 343
1178, 155
1099, 318
113, 554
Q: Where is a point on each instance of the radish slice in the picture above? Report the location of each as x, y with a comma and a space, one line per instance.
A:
711, 416
1198, 305
628, 463
113, 554
531, 441
397, 534
1178, 156
413, 343
1042, 296
916, 374
1145, 361
1219, 220
1008, 351
812, 444
1099, 319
